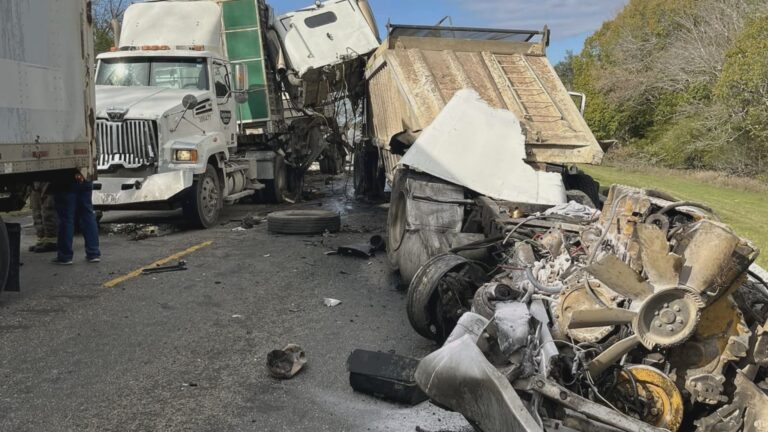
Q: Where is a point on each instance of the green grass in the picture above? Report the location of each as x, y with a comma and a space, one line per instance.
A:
746, 212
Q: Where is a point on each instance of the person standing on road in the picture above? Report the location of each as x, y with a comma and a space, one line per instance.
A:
44, 215
74, 197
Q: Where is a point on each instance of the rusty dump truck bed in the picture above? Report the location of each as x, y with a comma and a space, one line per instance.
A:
417, 70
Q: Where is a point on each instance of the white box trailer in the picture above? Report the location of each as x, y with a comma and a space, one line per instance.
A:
46, 99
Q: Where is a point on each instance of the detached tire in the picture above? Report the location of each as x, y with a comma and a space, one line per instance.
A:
204, 202
303, 222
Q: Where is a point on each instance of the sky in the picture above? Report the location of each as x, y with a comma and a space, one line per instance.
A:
571, 21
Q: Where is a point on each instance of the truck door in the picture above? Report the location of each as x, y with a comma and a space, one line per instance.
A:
225, 98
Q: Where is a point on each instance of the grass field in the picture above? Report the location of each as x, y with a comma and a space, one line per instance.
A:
745, 211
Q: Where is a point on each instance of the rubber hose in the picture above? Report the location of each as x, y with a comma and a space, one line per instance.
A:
538, 285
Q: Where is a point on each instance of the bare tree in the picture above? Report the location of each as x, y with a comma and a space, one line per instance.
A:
106, 13
696, 53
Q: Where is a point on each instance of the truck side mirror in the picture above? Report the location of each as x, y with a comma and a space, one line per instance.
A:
582, 104
189, 102
241, 77
241, 83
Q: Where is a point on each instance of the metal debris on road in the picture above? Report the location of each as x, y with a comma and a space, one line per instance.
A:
180, 266
251, 221
362, 250
287, 362
384, 375
330, 302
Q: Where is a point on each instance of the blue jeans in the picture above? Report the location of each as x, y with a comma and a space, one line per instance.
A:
77, 201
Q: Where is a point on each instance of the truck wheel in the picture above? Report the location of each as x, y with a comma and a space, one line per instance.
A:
275, 188
204, 202
423, 302
586, 184
397, 218
5, 255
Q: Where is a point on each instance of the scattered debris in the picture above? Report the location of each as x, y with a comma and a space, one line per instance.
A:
359, 250
251, 221
363, 250
238, 229
331, 302
287, 362
638, 321
180, 266
384, 375
139, 232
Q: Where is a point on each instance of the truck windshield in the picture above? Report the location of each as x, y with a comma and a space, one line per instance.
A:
171, 72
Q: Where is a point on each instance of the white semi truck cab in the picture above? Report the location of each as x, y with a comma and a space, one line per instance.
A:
190, 103
167, 114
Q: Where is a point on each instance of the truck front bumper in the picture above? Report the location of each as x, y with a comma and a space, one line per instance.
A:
138, 193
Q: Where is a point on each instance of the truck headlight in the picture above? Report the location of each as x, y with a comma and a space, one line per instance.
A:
185, 156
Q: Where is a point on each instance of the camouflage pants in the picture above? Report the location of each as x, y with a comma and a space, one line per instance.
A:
43, 213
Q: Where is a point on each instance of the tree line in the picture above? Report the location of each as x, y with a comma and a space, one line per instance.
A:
105, 13
680, 83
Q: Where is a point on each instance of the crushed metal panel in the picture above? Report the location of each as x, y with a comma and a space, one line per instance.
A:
326, 34
476, 146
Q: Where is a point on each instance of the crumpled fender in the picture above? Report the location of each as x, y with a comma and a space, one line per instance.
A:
458, 377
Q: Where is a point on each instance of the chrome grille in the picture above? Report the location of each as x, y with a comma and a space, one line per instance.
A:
131, 143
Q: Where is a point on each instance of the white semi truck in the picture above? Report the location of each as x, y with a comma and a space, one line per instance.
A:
46, 103
191, 101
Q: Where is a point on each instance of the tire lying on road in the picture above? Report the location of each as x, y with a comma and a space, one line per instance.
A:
303, 222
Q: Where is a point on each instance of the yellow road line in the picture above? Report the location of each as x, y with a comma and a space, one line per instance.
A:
137, 272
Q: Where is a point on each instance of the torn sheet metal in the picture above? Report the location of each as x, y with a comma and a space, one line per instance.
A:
459, 377
482, 148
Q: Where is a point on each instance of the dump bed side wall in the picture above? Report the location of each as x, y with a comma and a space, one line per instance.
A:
46, 93
411, 79
243, 39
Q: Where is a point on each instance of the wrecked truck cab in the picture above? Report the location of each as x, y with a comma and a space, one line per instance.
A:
415, 78
647, 316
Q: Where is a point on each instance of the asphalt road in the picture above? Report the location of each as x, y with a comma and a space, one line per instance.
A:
186, 351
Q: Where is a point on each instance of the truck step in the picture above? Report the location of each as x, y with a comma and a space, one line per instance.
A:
234, 197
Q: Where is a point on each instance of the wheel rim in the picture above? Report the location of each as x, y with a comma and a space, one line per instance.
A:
209, 198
